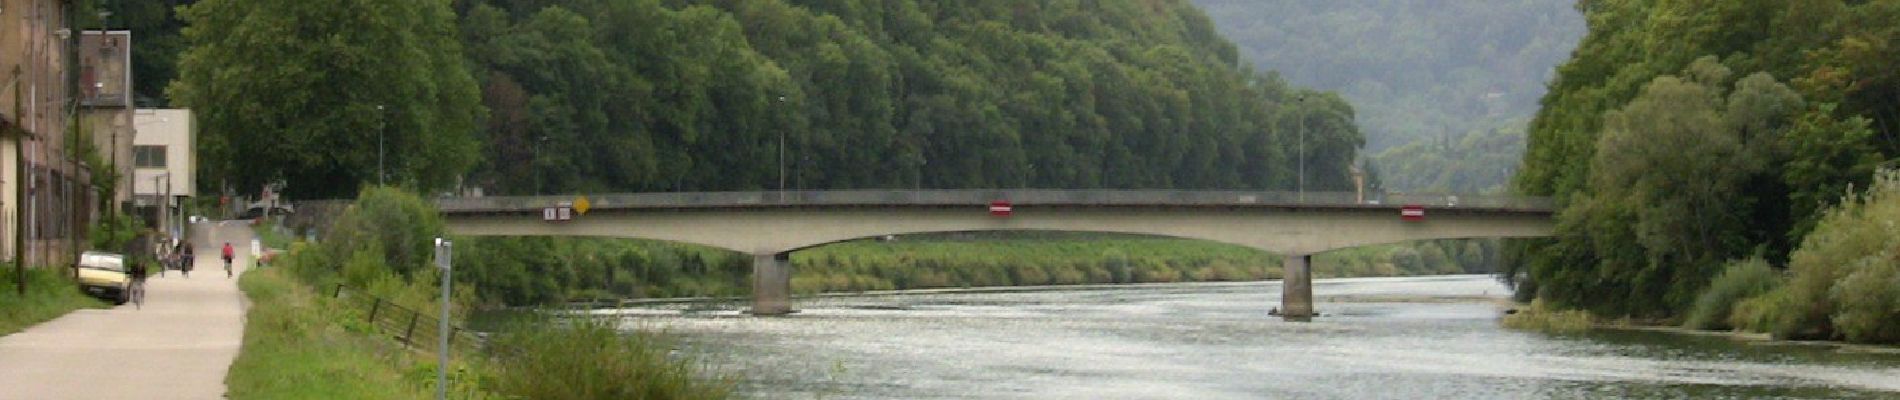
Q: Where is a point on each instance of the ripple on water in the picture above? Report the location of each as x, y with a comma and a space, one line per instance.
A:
1215, 341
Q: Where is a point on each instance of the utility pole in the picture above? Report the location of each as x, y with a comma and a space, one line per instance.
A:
1302, 184
443, 249
19, 189
781, 155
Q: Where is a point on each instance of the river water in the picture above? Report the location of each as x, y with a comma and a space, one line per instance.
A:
1379, 338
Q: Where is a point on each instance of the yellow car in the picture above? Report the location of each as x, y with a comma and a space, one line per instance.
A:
103, 274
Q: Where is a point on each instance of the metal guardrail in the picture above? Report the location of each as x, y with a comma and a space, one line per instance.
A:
414, 329
981, 197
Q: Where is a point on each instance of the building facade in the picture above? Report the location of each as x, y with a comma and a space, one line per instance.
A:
163, 166
45, 196
105, 105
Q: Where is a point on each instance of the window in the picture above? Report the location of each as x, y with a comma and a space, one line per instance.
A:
148, 156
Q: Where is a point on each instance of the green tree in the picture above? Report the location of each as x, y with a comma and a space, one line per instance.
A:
1666, 203
324, 94
1810, 141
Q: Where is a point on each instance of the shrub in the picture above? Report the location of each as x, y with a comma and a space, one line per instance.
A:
1543, 318
1843, 275
1869, 301
1740, 279
399, 225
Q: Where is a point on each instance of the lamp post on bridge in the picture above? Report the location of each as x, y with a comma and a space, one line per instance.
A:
781, 156
1302, 144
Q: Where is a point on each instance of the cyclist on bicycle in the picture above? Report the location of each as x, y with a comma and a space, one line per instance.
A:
227, 259
189, 259
135, 272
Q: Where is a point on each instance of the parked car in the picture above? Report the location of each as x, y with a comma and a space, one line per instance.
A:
103, 275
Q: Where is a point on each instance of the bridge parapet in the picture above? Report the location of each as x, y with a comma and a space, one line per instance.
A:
1110, 198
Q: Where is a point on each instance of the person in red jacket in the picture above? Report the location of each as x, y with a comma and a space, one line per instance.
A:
227, 259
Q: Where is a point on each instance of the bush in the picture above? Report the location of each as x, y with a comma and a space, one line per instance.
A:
1740, 280
1843, 283
591, 359
398, 225
112, 232
1869, 301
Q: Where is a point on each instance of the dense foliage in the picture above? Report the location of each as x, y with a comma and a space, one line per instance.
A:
1686, 133
645, 95
325, 95
1426, 76
1845, 277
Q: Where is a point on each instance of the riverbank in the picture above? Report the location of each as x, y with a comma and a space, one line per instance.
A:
296, 345
301, 343
1529, 317
49, 294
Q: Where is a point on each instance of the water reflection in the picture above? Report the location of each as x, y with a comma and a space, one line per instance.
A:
1381, 338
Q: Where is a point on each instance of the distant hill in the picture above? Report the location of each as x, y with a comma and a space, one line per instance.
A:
1423, 71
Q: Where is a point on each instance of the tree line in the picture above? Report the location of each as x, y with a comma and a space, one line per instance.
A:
1685, 135
536, 96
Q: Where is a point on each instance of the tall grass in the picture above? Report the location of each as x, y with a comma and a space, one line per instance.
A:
50, 293
1543, 318
591, 359
296, 346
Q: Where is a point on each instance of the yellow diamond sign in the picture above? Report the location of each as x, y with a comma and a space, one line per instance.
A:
581, 205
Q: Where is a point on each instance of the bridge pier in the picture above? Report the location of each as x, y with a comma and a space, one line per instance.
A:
772, 284
1296, 287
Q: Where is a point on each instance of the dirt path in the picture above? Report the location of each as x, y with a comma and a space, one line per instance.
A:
177, 347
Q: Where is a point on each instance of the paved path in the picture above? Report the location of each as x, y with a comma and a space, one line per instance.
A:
177, 347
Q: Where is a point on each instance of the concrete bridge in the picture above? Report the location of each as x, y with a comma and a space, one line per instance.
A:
771, 225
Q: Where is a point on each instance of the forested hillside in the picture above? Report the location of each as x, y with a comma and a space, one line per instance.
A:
1684, 134
597, 95
1436, 83
650, 95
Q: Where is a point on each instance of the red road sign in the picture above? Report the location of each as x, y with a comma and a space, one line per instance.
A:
1000, 208
1412, 212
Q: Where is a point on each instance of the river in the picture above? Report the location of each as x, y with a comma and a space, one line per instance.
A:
1396, 338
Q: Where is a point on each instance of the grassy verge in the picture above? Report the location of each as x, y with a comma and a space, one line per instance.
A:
297, 347
299, 343
1543, 318
49, 294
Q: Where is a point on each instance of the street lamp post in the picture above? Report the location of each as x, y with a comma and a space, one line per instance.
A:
1302, 144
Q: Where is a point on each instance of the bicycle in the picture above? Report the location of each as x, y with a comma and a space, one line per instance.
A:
137, 294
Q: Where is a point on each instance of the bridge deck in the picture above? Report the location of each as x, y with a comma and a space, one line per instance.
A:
963, 198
